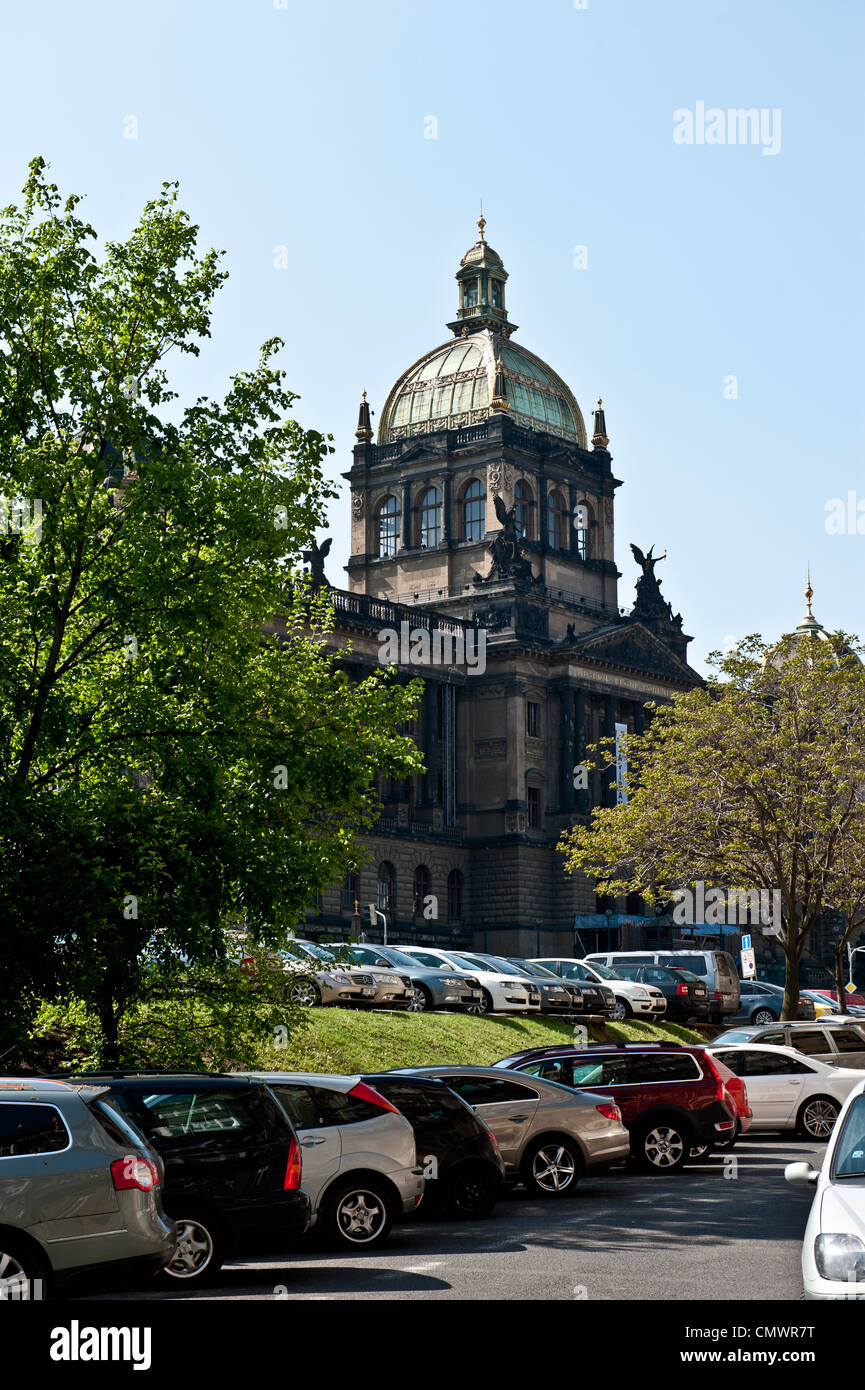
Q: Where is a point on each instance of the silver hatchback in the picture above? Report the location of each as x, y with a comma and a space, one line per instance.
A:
548, 1135
79, 1186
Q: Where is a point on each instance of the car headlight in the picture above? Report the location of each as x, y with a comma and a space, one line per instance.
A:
640, 993
389, 979
840, 1256
335, 978
509, 984
454, 980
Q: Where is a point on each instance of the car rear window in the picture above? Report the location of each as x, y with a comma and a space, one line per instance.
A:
299, 1103
178, 1114
695, 963
119, 1127
486, 1090
31, 1129
341, 1108
421, 1102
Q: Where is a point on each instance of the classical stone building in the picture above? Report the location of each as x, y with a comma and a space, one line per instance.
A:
482, 559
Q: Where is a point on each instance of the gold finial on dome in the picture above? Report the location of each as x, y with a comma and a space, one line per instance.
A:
482, 221
809, 593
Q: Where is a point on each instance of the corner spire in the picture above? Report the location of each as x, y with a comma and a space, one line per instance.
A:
364, 425
599, 438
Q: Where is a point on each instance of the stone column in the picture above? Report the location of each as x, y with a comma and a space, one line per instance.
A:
583, 795
431, 743
406, 538
447, 520
568, 757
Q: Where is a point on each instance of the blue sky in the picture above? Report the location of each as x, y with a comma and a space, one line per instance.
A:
303, 127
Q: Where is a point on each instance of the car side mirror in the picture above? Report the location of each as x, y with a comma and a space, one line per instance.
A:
800, 1174
382, 962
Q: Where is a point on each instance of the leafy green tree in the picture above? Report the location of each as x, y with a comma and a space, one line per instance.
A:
755, 783
178, 749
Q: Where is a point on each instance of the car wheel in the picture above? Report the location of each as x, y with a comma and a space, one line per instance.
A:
698, 1153
762, 1016
422, 1000
358, 1214
200, 1250
305, 993
484, 1006
472, 1192
622, 1011
551, 1168
21, 1273
662, 1147
817, 1117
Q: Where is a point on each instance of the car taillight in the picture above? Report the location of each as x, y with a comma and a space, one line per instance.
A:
609, 1111
292, 1168
363, 1092
717, 994
681, 989
138, 1173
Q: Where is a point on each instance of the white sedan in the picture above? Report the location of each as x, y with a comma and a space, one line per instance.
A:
501, 993
833, 1249
786, 1089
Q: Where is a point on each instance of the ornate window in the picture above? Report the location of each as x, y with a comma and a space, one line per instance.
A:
523, 499
474, 506
470, 294
556, 521
422, 887
533, 807
350, 892
385, 898
431, 517
497, 294
455, 896
388, 526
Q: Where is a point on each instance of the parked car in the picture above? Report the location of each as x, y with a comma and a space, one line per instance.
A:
630, 1000
502, 991
833, 1248
556, 996
547, 1141
232, 1165
673, 1099
319, 980
824, 1007
760, 1002
787, 1090
716, 969
593, 997
459, 1154
847, 999
839, 1042
359, 1158
685, 993
391, 989
79, 1188
433, 989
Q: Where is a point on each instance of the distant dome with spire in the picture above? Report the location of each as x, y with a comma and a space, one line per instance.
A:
809, 630
463, 382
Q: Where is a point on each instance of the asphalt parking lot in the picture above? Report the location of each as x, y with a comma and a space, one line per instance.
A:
716, 1232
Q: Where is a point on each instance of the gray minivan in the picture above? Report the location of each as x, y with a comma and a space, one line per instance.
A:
79, 1186
716, 968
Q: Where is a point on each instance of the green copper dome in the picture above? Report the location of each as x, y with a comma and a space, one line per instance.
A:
454, 385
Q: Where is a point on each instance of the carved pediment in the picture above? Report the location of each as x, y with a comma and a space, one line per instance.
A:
633, 645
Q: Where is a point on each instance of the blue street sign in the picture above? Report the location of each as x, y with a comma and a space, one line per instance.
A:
746, 943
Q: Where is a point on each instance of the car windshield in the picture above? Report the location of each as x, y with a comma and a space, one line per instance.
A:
394, 957
466, 963
508, 966
734, 1035
603, 970
526, 968
850, 1148
677, 972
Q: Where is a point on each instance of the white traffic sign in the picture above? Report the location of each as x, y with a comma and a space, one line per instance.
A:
749, 965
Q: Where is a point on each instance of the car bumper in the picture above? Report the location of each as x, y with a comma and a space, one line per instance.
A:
607, 1150
410, 1185
272, 1224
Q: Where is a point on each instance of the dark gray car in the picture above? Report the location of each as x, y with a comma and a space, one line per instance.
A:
79, 1186
434, 989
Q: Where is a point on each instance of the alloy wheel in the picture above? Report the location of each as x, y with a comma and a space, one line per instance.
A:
620, 1012
14, 1284
553, 1168
419, 1002
305, 994
194, 1251
663, 1147
361, 1216
764, 1016
818, 1118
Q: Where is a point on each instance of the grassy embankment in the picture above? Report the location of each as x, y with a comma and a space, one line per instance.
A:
345, 1040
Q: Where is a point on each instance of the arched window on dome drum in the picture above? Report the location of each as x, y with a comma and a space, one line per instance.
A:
385, 898
470, 294
523, 500
455, 896
431, 517
556, 521
497, 294
422, 887
582, 520
474, 500
388, 526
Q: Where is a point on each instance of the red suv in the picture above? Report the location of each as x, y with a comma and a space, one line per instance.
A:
673, 1098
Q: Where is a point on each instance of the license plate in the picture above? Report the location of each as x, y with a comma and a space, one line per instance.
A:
701, 993
368, 992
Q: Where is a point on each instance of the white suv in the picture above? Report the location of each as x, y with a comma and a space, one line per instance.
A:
359, 1160
502, 994
632, 1000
